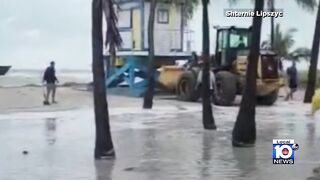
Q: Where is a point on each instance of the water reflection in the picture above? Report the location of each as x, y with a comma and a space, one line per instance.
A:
311, 131
291, 127
151, 165
51, 130
207, 140
104, 169
245, 160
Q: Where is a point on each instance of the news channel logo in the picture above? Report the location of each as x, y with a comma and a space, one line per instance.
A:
283, 151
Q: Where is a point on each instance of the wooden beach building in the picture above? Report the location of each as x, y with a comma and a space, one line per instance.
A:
132, 58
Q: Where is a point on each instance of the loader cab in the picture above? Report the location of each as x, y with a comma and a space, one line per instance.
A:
230, 43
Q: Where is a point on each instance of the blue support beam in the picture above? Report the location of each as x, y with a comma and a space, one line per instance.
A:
117, 74
134, 67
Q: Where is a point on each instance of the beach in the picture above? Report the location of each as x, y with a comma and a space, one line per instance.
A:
22, 90
166, 142
31, 98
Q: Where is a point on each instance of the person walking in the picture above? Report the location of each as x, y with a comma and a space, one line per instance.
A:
50, 80
212, 79
292, 75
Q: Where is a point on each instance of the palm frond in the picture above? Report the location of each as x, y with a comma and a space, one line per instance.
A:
188, 5
300, 53
189, 8
283, 41
309, 5
266, 44
292, 30
113, 37
233, 2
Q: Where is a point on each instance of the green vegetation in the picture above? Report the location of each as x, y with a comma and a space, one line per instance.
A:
188, 5
301, 53
303, 79
284, 42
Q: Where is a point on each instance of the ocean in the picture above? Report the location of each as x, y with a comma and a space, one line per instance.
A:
33, 77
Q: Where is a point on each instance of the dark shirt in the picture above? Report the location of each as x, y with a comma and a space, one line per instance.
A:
194, 60
50, 75
293, 76
280, 65
241, 45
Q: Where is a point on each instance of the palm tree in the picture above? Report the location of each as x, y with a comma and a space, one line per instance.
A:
312, 75
244, 132
271, 8
207, 116
148, 97
103, 143
283, 42
308, 5
300, 53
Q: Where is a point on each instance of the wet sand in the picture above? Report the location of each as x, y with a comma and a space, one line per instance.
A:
31, 98
21, 99
15, 99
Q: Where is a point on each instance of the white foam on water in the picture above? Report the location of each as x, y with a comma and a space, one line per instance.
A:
159, 110
19, 78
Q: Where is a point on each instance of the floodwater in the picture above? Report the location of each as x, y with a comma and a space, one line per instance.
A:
164, 143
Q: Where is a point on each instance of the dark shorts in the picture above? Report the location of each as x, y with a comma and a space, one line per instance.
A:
51, 87
293, 85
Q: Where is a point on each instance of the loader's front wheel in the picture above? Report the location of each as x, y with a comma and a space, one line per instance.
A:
186, 87
269, 99
226, 84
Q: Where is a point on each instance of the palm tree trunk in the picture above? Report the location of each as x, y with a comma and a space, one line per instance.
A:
148, 96
244, 132
272, 33
312, 75
271, 3
103, 144
207, 116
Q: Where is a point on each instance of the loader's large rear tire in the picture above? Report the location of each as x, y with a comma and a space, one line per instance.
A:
269, 99
186, 87
226, 91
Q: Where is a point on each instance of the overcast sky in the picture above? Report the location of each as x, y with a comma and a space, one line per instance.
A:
32, 33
